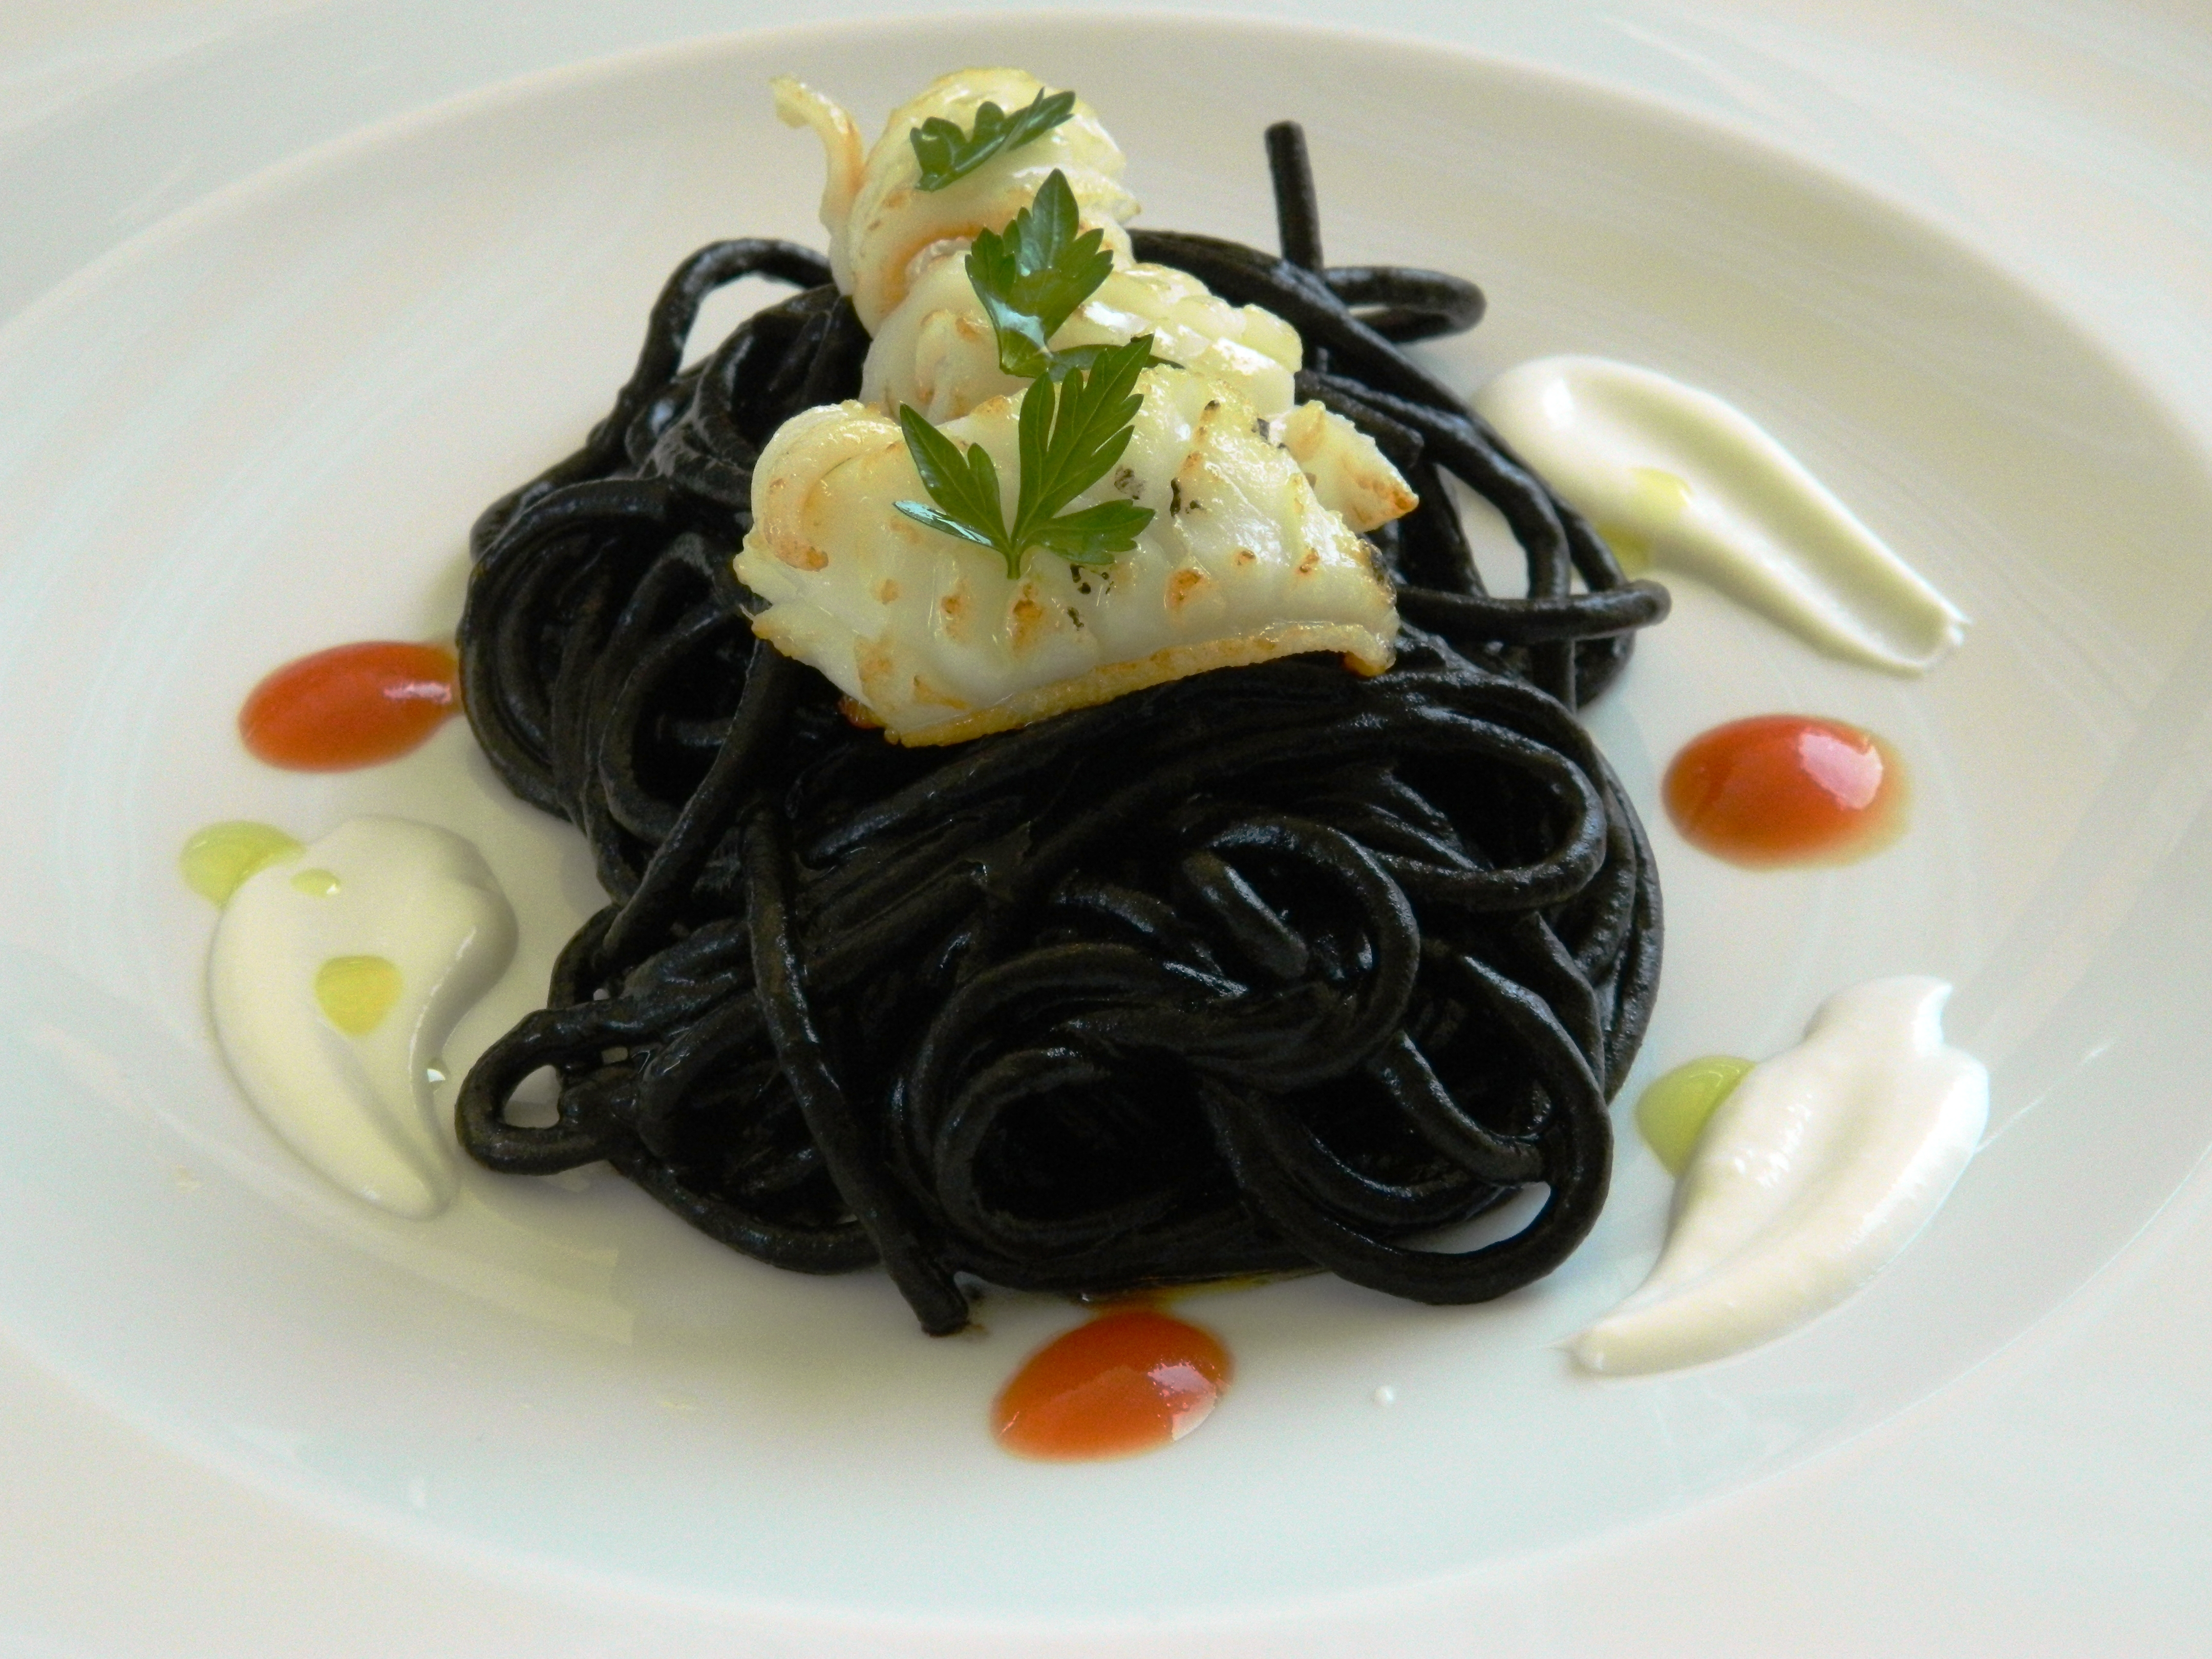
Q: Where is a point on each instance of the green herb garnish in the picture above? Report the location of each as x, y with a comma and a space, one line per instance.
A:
1072, 432
1075, 419
1032, 276
947, 155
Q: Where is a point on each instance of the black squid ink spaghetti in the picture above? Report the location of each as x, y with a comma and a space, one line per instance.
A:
1267, 969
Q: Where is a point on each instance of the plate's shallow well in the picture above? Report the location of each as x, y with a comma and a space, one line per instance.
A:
263, 428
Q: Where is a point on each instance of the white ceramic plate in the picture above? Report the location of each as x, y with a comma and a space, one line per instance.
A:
264, 427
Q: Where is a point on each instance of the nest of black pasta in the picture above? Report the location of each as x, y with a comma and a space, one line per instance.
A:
1271, 968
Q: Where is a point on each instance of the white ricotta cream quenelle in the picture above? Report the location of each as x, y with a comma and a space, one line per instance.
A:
1811, 1175
337, 971
1674, 475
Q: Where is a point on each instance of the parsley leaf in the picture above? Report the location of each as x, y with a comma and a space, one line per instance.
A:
1071, 433
1096, 534
965, 486
1032, 276
947, 155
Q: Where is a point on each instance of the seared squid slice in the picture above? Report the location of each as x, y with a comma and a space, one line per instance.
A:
885, 231
928, 637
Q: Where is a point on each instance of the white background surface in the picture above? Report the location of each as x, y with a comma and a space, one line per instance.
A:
2051, 1501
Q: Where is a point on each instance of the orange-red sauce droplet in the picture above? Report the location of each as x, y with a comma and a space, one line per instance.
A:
353, 705
1786, 789
1127, 1381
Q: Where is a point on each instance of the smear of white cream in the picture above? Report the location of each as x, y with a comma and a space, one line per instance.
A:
1811, 1176
335, 975
1675, 474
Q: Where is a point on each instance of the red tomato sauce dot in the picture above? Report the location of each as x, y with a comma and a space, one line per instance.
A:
1786, 789
351, 706
1127, 1381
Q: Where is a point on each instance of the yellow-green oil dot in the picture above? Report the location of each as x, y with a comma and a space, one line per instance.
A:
316, 884
217, 859
1674, 1110
1660, 496
356, 993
